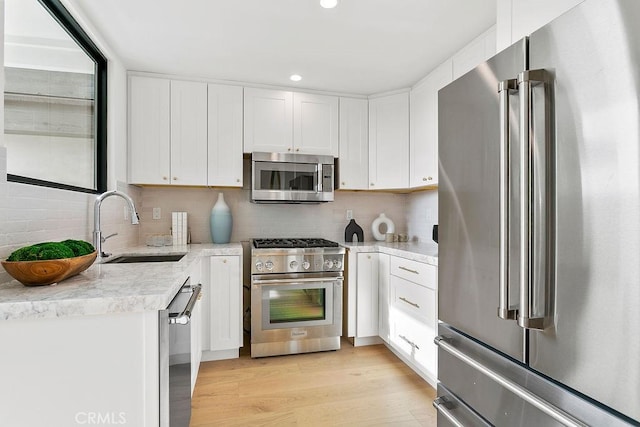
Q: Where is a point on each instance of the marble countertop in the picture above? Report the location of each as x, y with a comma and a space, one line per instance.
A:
109, 288
422, 252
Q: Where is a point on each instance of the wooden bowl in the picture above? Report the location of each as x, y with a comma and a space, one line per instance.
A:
46, 272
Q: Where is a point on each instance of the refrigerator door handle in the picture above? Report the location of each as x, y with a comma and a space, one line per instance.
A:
515, 388
505, 311
528, 231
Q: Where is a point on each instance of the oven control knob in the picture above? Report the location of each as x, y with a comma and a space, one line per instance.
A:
269, 265
337, 264
259, 265
306, 265
328, 264
293, 265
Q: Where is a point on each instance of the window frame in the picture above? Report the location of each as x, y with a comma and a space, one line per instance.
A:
75, 31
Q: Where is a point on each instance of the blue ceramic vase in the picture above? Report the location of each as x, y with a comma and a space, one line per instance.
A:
221, 221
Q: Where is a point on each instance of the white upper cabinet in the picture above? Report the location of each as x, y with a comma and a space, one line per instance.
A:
188, 133
389, 142
315, 124
225, 136
167, 131
268, 120
475, 53
354, 144
290, 122
423, 149
149, 125
519, 18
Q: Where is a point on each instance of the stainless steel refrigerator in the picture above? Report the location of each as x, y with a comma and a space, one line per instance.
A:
539, 228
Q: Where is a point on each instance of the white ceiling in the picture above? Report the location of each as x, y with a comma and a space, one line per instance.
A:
360, 47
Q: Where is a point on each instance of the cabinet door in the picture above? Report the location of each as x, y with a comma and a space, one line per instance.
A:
188, 133
149, 124
225, 136
353, 165
196, 343
268, 120
367, 295
389, 142
315, 124
225, 301
423, 150
383, 296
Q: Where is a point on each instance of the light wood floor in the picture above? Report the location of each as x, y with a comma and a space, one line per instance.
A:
355, 386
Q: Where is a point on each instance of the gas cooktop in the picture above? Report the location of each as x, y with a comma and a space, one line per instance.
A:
293, 243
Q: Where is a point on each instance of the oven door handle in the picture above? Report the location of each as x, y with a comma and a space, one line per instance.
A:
294, 281
185, 317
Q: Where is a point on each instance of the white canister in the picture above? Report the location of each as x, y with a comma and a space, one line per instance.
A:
375, 227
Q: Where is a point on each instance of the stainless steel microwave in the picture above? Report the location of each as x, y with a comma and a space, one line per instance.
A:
291, 178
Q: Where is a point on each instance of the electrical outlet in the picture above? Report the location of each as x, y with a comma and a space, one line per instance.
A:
349, 214
157, 213
126, 213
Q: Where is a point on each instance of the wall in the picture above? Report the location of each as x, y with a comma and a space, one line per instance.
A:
422, 214
30, 214
326, 220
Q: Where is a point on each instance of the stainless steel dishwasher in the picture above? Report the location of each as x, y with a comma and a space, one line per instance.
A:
175, 357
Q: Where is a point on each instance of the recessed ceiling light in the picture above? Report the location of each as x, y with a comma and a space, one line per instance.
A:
295, 77
328, 4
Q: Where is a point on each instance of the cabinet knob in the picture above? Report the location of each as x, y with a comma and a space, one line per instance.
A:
429, 178
164, 178
342, 183
288, 149
368, 256
297, 149
372, 184
237, 180
424, 179
175, 178
224, 261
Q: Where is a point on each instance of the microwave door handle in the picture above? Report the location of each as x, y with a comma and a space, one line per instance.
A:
320, 177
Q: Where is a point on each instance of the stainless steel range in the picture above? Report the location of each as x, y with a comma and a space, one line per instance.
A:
296, 296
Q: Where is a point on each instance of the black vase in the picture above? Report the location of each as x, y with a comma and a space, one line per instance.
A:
353, 229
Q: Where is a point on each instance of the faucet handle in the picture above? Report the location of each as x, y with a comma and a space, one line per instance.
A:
107, 237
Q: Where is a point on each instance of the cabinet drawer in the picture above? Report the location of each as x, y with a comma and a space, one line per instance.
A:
414, 271
415, 300
414, 340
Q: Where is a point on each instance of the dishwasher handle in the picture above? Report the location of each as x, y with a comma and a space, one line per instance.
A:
185, 317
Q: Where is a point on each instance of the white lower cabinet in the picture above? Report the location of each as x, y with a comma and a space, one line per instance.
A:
383, 297
396, 302
222, 307
413, 315
196, 325
367, 295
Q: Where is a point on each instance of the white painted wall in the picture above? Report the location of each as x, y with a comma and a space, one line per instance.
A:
30, 214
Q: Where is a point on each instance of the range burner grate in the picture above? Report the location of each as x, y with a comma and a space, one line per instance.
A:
293, 243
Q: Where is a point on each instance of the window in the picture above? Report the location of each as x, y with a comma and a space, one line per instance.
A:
55, 106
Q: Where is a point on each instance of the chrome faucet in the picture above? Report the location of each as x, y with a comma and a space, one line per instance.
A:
98, 240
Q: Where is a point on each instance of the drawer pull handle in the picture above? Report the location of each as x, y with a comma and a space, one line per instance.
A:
409, 342
409, 302
409, 270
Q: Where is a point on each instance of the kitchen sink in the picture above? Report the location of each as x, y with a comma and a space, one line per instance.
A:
126, 259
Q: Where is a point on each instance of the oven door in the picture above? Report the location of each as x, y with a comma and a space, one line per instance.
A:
285, 308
